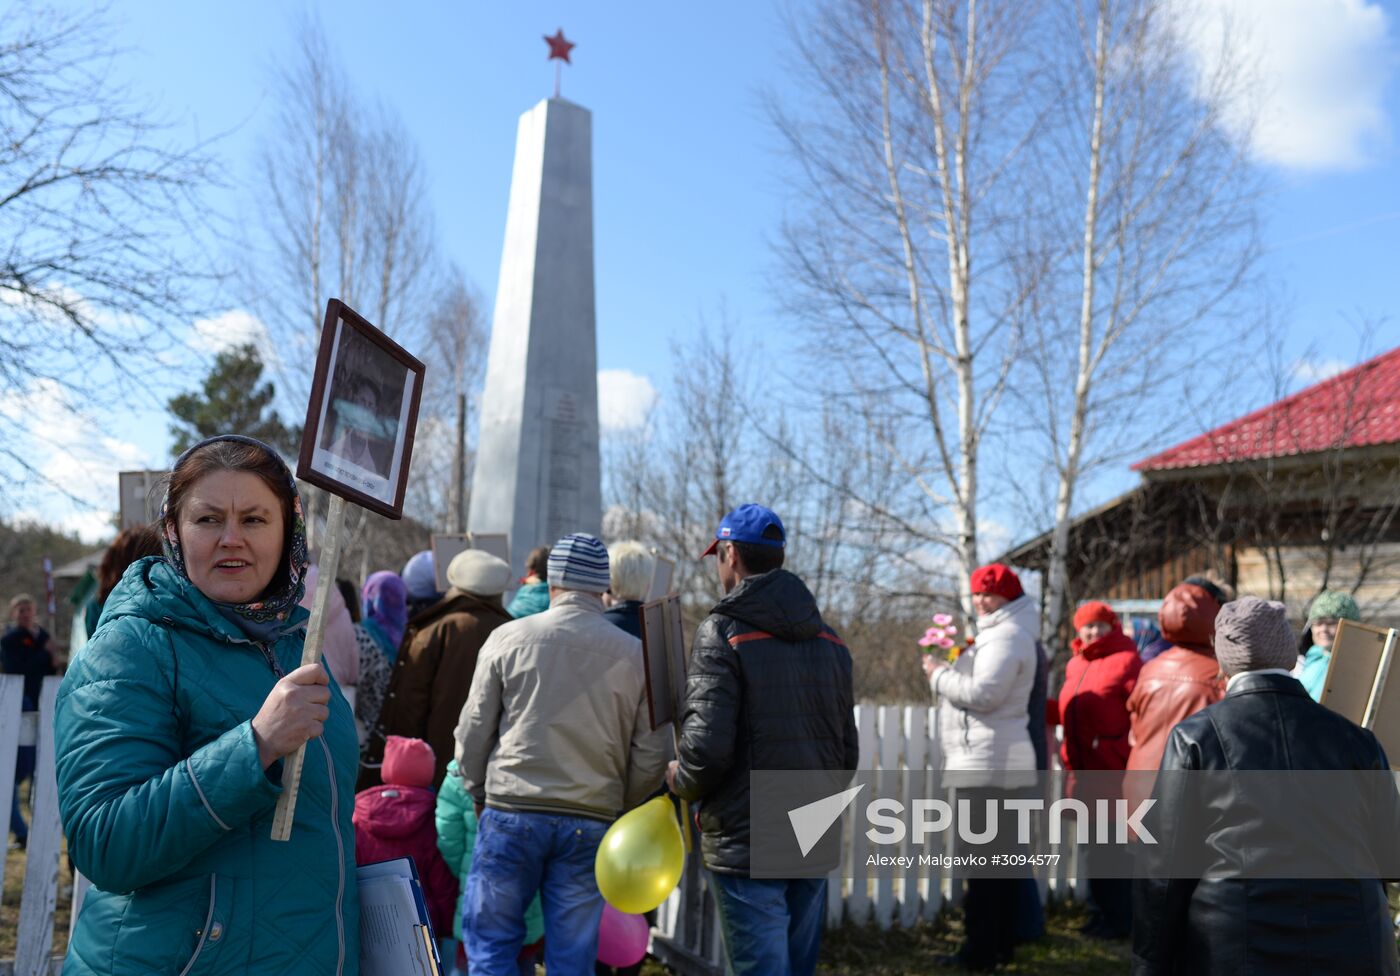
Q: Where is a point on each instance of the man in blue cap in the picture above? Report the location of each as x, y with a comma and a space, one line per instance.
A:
769, 688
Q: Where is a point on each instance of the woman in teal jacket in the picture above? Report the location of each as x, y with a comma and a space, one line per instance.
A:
172, 725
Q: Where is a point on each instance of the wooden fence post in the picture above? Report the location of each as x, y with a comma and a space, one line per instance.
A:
11, 700
35, 945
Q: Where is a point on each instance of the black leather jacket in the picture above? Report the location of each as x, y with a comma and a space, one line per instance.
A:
1279, 926
769, 687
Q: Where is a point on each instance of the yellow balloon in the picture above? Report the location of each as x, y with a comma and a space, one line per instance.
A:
641, 857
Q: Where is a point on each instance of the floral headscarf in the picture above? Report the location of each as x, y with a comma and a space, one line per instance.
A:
384, 602
266, 618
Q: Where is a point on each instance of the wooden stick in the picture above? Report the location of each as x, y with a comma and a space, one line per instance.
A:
684, 805
311, 654
1378, 686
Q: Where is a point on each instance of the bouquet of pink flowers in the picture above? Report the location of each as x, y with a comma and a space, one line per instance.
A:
940, 636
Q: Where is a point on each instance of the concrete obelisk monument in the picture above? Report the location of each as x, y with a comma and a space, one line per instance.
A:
536, 474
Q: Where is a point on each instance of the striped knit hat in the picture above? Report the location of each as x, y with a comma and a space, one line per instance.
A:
579, 562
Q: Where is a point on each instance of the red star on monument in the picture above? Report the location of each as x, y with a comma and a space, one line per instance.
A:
559, 47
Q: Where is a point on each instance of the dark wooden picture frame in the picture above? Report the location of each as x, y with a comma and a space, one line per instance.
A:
663, 660
391, 469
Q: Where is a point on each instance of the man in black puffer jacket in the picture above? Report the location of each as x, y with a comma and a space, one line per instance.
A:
769, 687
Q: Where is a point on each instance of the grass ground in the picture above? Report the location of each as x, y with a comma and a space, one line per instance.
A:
867, 951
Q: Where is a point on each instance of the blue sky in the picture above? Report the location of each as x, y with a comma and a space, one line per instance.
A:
689, 186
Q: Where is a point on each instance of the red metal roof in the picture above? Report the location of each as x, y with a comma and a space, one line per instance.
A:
1357, 408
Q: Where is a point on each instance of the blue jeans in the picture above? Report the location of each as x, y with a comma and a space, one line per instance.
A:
770, 927
518, 854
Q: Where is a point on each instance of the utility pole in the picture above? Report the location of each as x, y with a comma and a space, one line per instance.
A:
459, 467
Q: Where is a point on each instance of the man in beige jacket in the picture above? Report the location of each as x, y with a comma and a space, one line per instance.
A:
553, 744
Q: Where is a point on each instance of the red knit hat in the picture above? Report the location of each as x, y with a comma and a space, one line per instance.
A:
407, 762
996, 578
1095, 611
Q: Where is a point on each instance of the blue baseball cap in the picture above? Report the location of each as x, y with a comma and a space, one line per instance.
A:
747, 523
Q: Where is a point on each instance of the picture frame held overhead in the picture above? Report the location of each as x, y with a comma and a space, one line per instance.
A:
356, 445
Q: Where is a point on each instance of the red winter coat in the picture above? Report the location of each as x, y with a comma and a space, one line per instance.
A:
1093, 704
397, 821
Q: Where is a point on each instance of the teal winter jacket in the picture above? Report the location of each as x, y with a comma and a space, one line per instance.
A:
530, 599
1313, 671
168, 811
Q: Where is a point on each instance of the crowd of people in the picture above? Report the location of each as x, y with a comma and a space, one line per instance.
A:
495, 743
1216, 684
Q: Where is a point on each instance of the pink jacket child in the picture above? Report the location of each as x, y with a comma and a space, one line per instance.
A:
396, 820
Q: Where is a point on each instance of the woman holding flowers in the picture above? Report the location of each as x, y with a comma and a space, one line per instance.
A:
984, 698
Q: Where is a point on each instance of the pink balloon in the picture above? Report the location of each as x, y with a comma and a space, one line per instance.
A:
622, 938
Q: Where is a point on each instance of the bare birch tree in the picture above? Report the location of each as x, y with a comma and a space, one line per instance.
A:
720, 437
900, 252
342, 213
1145, 235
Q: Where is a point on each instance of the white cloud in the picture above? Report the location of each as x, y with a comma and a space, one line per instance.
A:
227, 330
1311, 371
1314, 75
625, 400
79, 454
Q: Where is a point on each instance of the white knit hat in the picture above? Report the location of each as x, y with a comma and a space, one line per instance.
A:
478, 572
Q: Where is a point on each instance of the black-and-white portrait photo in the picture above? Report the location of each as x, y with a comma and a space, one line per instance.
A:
367, 390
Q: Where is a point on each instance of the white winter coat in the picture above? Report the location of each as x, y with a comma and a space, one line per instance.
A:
983, 696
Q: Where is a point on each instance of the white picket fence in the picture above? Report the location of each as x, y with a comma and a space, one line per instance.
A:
901, 738
686, 934
34, 943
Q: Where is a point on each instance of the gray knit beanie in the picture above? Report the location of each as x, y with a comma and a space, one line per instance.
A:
1253, 634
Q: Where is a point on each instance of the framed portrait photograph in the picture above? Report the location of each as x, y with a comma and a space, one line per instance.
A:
362, 414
